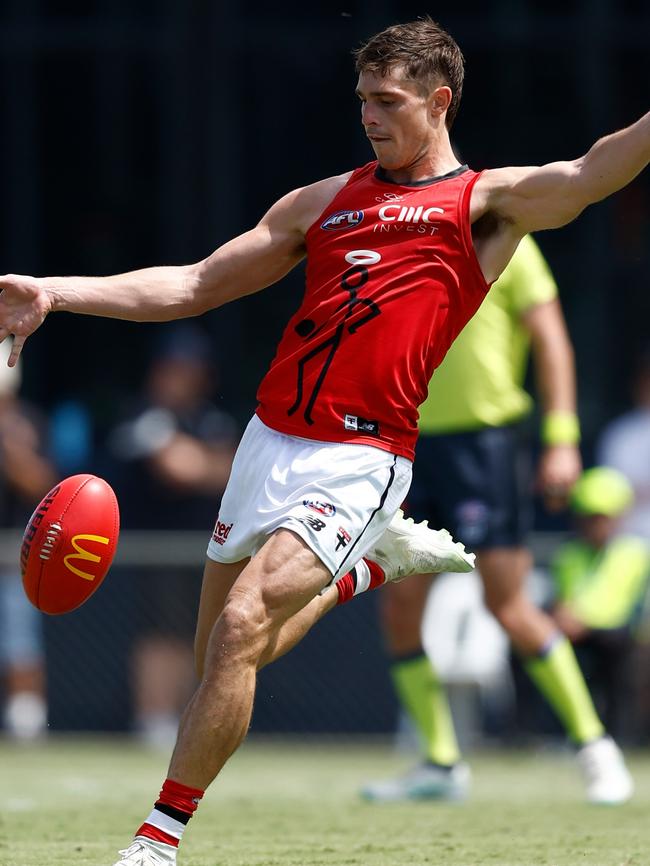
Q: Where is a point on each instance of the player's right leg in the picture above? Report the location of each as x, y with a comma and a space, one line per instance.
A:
440, 774
549, 660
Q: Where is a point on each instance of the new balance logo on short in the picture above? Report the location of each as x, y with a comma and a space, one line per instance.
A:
221, 531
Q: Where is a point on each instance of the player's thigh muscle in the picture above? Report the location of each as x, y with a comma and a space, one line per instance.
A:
280, 580
218, 579
257, 597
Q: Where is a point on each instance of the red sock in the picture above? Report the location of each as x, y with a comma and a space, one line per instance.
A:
377, 574
345, 587
365, 575
173, 809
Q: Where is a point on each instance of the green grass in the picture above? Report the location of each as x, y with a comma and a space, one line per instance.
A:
74, 802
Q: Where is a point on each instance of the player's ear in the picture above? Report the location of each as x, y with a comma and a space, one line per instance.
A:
440, 100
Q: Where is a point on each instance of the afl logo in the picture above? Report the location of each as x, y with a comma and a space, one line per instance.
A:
324, 508
342, 219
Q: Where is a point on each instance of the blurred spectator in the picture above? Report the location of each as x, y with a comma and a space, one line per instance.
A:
71, 436
176, 450
600, 582
625, 445
26, 474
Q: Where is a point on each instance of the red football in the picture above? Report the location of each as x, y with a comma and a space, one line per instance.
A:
69, 543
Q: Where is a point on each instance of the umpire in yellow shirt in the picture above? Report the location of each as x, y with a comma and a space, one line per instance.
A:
470, 476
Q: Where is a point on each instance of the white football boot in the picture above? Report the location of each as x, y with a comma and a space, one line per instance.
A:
424, 782
606, 777
147, 852
408, 548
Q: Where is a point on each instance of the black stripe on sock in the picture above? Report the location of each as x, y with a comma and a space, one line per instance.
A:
171, 812
391, 478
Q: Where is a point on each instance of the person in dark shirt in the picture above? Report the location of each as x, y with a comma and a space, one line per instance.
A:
175, 451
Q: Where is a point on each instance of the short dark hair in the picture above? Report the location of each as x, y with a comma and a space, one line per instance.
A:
428, 54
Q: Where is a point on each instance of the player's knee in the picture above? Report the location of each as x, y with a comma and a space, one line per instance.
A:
243, 622
508, 612
199, 660
402, 624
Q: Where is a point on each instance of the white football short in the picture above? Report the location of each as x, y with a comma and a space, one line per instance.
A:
338, 497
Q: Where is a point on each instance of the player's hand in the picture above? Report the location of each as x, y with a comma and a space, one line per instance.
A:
24, 304
569, 624
559, 469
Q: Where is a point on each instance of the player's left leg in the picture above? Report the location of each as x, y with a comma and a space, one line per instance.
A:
405, 549
278, 582
551, 663
218, 580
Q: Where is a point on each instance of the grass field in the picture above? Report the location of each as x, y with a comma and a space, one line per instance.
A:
74, 802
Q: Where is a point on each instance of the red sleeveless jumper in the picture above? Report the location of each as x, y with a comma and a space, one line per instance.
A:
392, 278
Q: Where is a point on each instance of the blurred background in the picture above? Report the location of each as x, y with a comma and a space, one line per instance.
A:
141, 132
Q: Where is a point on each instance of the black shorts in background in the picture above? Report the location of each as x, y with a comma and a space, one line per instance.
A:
476, 484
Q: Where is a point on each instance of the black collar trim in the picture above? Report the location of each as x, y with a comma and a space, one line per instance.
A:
380, 174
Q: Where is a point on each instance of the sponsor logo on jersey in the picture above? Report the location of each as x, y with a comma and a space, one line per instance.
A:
396, 213
324, 508
389, 196
221, 532
354, 422
342, 219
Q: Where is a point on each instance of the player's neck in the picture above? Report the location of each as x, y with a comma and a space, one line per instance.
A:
437, 161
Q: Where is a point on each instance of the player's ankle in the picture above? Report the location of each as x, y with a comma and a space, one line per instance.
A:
171, 813
365, 575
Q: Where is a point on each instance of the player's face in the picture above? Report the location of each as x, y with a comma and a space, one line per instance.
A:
396, 117
597, 529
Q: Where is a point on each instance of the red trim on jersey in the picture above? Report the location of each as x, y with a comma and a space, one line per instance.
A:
466, 227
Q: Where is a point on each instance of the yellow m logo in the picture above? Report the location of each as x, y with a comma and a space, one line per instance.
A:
84, 554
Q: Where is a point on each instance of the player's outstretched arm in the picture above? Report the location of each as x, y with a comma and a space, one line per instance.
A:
240, 267
549, 196
559, 462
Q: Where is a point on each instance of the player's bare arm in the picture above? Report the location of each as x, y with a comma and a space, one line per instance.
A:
242, 266
553, 356
560, 462
507, 203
